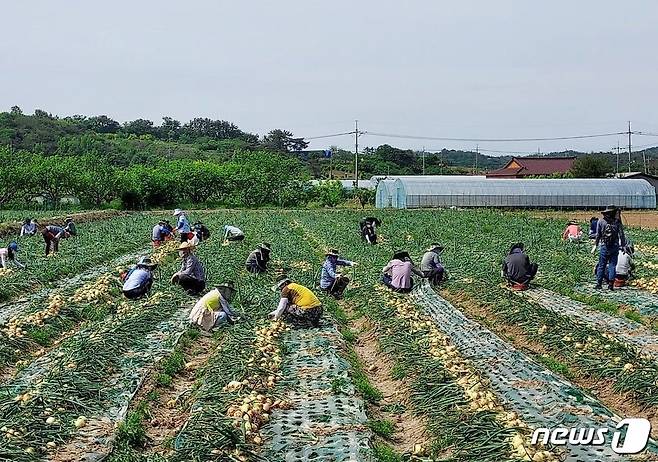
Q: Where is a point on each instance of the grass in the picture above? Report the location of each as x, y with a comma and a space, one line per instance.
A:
634, 316
131, 431
555, 365
174, 363
348, 335
164, 379
338, 384
361, 382
382, 427
384, 453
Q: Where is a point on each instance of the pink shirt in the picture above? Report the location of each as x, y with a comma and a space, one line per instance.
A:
400, 272
572, 230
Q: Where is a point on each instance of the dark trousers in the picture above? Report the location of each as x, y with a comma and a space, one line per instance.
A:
239, 237
255, 269
338, 287
607, 261
435, 276
137, 292
184, 237
191, 285
532, 272
52, 243
304, 318
388, 282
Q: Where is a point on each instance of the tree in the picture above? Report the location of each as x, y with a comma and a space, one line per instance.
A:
138, 127
590, 166
169, 130
103, 124
12, 175
52, 176
15, 110
97, 182
284, 141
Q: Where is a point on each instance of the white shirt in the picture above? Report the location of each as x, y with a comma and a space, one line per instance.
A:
624, 264
233, 230
4, 256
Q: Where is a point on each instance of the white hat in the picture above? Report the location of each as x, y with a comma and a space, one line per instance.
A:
177, 212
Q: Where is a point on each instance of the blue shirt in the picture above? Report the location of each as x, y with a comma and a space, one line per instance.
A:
329, 274
156, 234
183, 225
137, 278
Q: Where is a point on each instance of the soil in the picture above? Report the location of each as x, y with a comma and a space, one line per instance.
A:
409, 428
643, 220
622, 404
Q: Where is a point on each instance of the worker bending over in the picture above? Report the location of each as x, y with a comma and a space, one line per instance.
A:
572, 232
232, 234
397, 274
8, 254
431, 265
330, 281
214, 310
517, 268
138, 281
159, 234
258, 259
52, 234
298, 304
191, 276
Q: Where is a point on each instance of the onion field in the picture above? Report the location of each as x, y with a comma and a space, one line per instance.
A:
466, 371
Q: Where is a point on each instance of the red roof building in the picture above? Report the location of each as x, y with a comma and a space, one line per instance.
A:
522, 167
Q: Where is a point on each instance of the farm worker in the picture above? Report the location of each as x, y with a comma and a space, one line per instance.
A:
330, 281
625, 266
517, 268
52, 235
168, 229
29, 227
396, 275
572, 232
159, 234
191, 276
213, 309
232, 234
182, 226
368, 227
139, 280
297, 304
610, 234
431, 265
8, 254
258, 258
201, 231
593, 222
69, 226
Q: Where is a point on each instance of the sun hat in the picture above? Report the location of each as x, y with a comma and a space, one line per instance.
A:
572, 222
610, 208
146, 262
281, 282
186, 246
265, 246
177, 212
401, 255
331, 253
227, 289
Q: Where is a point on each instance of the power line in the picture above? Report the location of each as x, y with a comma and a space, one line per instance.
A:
329, 136
495, 140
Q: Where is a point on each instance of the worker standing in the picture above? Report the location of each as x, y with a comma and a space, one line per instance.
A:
610, 235
182, 226
431, 265
297, 304
214, 309
258, 258
191, 276
330, 281
139, 280
8, 254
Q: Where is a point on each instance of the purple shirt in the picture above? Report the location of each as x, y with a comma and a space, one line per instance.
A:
400, 272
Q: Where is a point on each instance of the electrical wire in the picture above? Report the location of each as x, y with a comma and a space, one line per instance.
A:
329, 136
495, 140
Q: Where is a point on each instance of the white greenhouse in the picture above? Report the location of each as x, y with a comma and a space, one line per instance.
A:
470, 191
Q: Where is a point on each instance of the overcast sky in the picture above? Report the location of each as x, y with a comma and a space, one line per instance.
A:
465, 69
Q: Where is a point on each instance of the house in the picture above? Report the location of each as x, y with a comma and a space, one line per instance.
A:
523, 167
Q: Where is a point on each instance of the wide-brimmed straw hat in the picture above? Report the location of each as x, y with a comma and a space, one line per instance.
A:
610, 208
186, 246
572, 222
265, 246
281, 282
146, 262
331, 253
227, 289
177, 212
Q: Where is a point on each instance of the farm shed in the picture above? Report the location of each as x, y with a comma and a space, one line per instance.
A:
547, 193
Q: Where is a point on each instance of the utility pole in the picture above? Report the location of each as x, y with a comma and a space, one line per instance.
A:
617, 169
477, 152
629, 146
356, 154
423, 160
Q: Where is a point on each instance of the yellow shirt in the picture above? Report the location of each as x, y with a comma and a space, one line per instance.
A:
210, 301
301, 296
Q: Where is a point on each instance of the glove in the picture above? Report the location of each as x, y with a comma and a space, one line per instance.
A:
593, 250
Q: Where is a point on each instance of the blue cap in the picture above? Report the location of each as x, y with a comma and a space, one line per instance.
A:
13, 246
